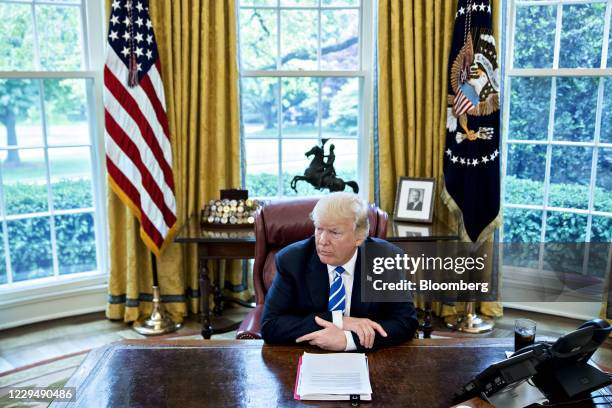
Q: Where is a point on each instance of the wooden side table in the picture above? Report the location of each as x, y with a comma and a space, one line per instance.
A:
398, 231
215, 244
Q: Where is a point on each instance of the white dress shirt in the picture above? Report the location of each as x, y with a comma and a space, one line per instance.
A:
347, 280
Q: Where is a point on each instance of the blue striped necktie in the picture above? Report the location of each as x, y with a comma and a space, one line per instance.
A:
337, 294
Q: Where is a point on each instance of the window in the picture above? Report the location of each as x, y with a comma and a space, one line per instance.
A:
50, 186
558, 125
305, 72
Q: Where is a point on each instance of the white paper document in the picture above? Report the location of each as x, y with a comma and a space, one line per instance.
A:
334, 376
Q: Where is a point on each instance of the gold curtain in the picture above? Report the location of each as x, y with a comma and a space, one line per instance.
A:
197, 45
414, 41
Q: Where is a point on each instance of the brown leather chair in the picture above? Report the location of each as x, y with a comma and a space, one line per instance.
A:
278, 224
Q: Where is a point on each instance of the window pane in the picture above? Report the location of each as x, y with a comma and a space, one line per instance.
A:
62, 1
581, 35
258, 31
534, 22
603, 183
71, 177
340, 3
565, 227
525, 174
30, 246
522, 225
346, 158
606, 112
601, 231
575, 109
61, 27
260, 107
300, 97
66, 111
529, 108
299, 30
570, 175
3, 277
340, 39
299, 2
310, 107
20, 123
25, 181
295, 163
610, 48
559, 259
257, 2
16, 38
76, 243
340, 107
262, 167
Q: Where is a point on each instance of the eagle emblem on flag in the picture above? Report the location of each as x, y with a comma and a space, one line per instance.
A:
474, 79
471, 156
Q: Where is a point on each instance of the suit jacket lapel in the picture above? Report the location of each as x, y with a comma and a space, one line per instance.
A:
318, 282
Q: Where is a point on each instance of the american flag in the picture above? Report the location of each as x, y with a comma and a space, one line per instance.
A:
465, 99
138, 151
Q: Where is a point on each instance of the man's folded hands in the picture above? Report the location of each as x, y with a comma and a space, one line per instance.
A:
329, 338
364, 328
332, 338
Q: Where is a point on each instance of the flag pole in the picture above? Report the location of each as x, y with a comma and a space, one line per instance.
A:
469, 322
140, 176
158, 322
471, 159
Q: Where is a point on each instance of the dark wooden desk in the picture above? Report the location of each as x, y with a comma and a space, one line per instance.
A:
215, 244
246, 373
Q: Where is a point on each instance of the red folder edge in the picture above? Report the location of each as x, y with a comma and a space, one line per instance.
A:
297, 380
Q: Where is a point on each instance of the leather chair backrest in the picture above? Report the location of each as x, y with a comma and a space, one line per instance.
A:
283, 222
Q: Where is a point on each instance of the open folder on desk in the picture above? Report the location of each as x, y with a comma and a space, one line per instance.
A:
333, 377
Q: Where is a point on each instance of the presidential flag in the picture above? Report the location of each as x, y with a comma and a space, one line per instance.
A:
471, 156
138, 152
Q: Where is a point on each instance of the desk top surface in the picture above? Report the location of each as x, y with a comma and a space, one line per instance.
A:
141, 373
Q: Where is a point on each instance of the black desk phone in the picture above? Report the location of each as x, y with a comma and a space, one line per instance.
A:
551, 366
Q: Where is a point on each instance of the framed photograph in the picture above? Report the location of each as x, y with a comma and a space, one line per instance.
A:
414, 200
410, 230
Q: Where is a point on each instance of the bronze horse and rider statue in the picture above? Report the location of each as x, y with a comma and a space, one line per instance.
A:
321, 173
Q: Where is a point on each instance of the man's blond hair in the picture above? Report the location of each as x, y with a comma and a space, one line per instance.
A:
341, 205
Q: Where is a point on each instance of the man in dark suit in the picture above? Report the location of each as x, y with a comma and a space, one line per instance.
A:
415, 199
316, 293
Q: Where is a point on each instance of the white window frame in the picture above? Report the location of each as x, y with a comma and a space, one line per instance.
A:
364, 73
521, 275
554, 73
65, 295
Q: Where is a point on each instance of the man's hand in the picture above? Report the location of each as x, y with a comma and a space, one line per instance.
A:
364, 328
329, 338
